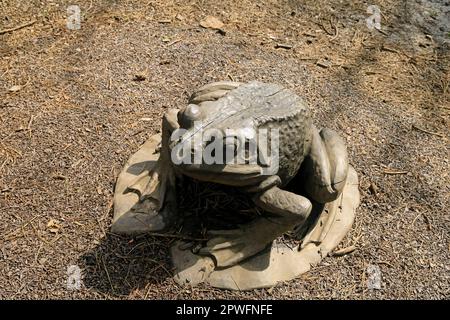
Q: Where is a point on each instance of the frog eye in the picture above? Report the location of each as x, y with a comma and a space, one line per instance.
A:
192, 112
188, 115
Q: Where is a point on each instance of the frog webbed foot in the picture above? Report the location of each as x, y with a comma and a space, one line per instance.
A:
228, 247
149, 217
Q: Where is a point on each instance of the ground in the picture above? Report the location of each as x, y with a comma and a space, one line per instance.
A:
75, 104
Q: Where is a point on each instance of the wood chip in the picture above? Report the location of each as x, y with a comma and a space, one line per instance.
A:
211, 22
324, 63
283, 46
173, 42
394, 171
53, 226
15, 88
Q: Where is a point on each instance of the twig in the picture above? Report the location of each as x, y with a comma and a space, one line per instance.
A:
320, 24
336, 31
382, 32
30, 122
18, 27
12, 233
107, 274
344, 251
384, 48
175, 236
173, 42
283, 46
387, 171
29, 125
235, 283
160, 265
21, 288
427, 221
386, 263
427, 131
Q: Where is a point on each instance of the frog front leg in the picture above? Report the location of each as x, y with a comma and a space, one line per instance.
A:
324, 170
229, 247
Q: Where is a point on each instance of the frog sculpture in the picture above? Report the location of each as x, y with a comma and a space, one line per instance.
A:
258, 138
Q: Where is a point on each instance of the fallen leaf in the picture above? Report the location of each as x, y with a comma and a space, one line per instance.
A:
53, 226
211, 22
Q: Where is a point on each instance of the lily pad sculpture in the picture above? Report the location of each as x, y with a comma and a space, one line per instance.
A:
259, 139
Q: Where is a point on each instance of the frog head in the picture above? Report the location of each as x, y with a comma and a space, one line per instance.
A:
219, 142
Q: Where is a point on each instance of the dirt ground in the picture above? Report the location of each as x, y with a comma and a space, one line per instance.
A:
72, 112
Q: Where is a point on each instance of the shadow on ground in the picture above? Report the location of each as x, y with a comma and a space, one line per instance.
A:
119, 265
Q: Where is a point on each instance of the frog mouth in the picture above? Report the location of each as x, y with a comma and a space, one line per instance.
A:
230, 160
228, 174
